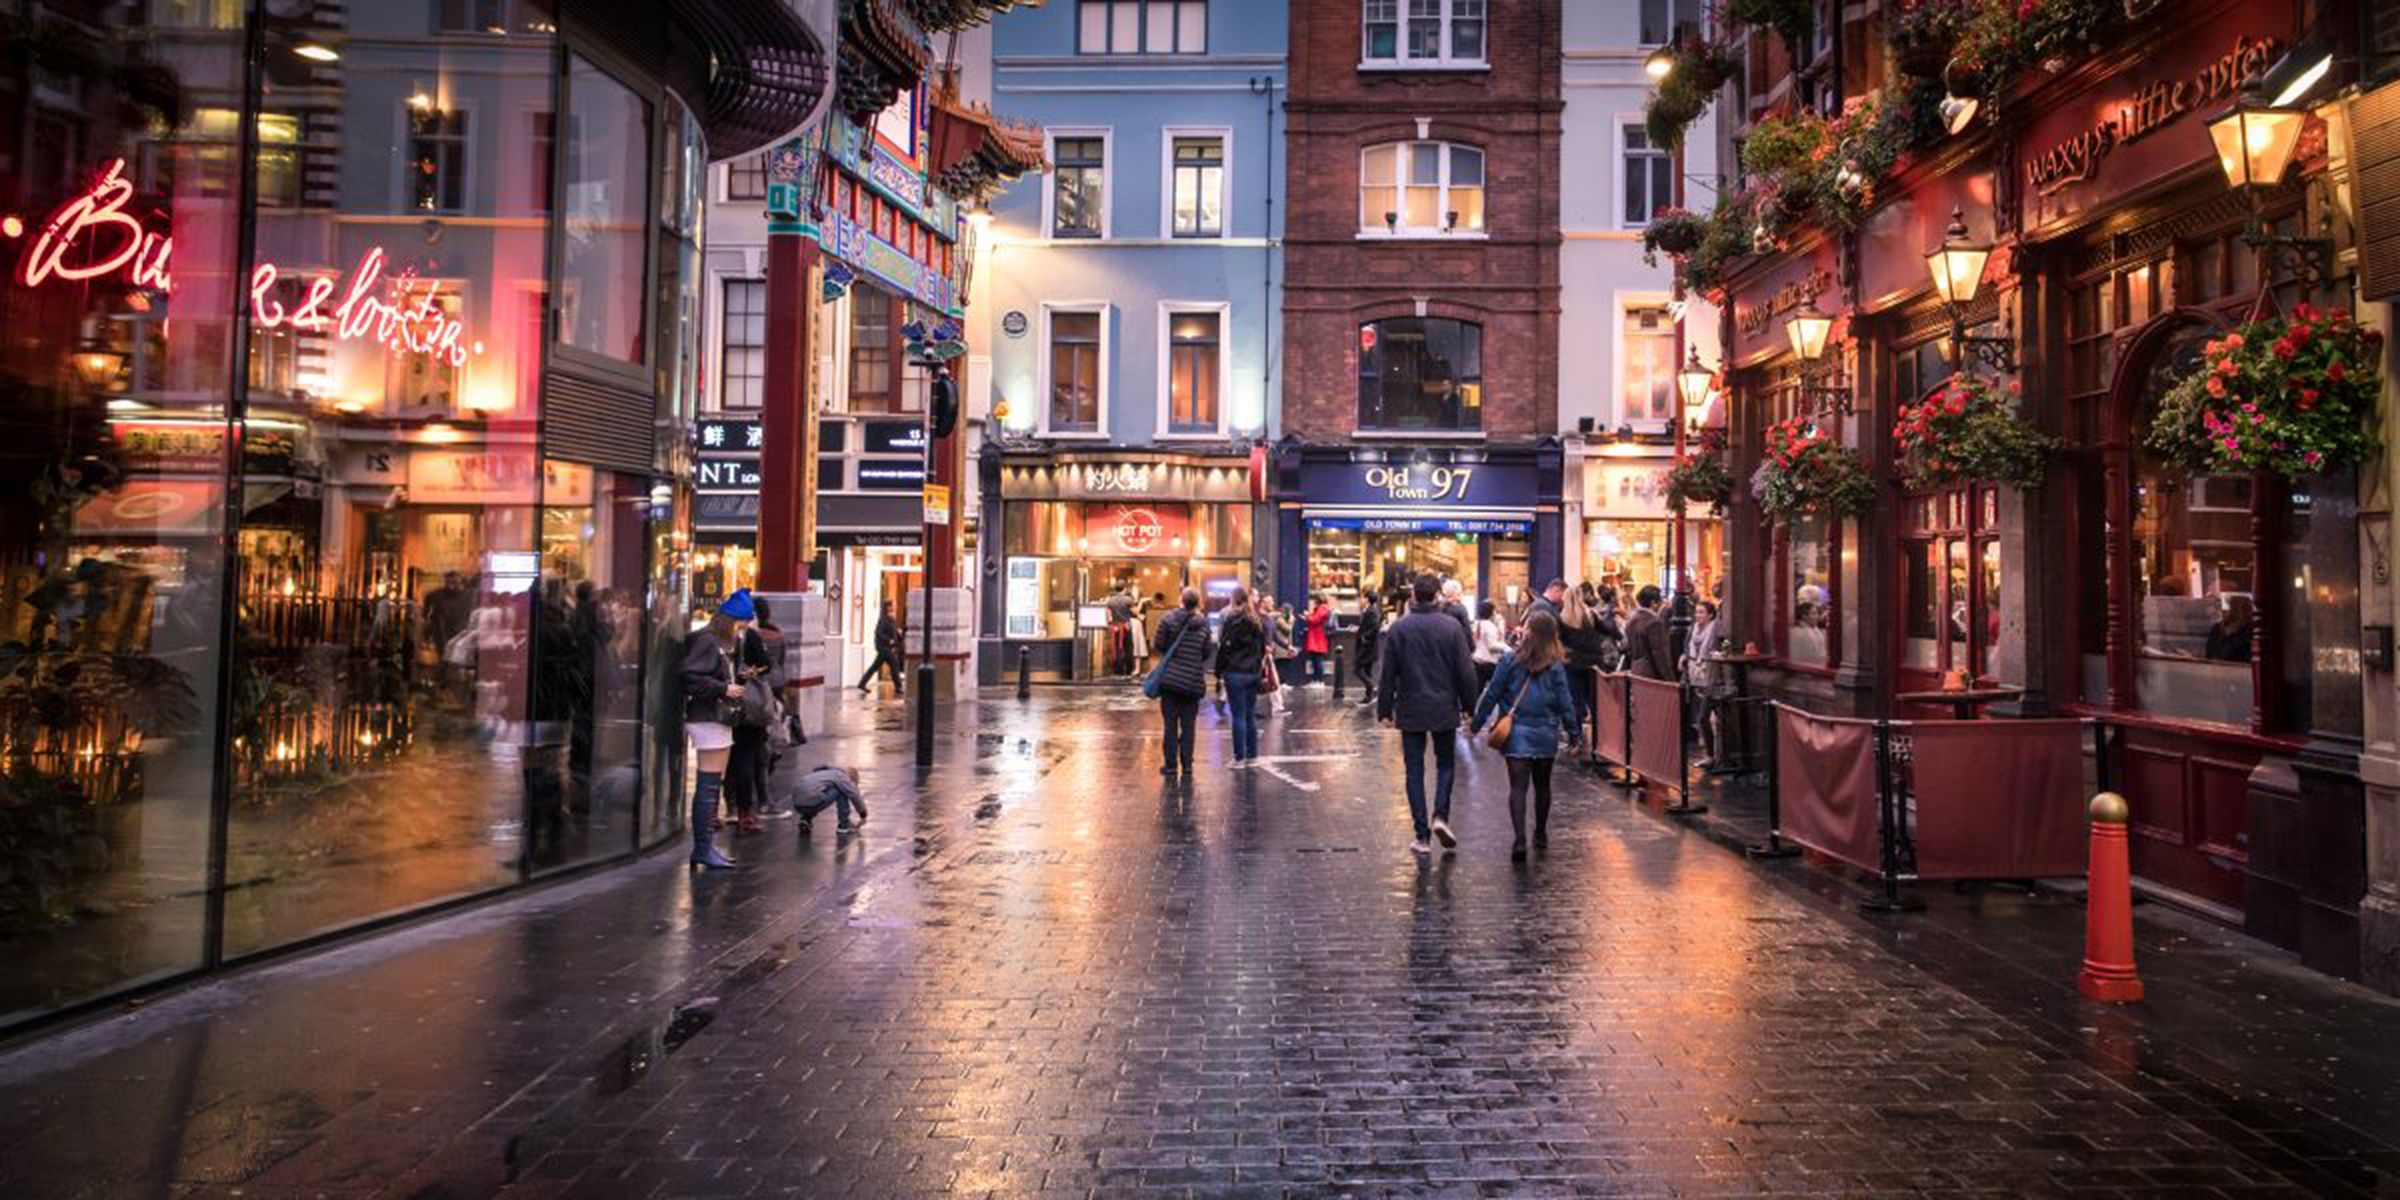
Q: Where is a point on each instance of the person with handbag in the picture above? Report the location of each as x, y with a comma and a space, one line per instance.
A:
1537, 712
1241, 663
1425, 683
1179, 680
759, 712
710, 689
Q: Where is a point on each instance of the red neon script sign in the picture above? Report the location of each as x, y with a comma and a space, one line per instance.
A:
92, 236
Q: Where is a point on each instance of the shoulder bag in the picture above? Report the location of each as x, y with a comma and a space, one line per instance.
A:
1497, 736
1150, 682
1269, 679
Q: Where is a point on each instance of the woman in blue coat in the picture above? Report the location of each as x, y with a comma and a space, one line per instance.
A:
1531, 684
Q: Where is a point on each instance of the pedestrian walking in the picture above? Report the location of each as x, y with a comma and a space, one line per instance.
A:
1425, 682
1700, 676
710, 690
1316, 638
1279, 646
1491, 642
1552, 600
1370, 633
1182, 674
1530, 688
1649, 644
890, 645
833, 787
1454, 602
1240, 663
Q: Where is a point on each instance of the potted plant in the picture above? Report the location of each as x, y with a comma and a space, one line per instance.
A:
2289, 397
1672, 231
1805, 472
1923, 33
1782, 144
1704, 475
1965, 430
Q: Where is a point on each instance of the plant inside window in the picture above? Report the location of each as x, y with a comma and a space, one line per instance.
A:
1420, 188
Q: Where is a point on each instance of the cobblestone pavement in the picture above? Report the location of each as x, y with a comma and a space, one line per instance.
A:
1039, 971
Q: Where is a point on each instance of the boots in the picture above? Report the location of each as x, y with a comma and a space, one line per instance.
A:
1516, 823
704, 821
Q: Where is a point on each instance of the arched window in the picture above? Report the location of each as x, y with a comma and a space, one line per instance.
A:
1420, 373
1420, 189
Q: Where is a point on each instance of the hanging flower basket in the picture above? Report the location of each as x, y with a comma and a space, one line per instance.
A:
1967, 432
1673, 231
2289, 397
1806, 473
1704, 476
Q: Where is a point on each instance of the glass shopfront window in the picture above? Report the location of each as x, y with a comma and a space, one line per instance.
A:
1420, 373
606, 193
1811, 615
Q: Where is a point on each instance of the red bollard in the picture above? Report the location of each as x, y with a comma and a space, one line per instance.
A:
2108, 973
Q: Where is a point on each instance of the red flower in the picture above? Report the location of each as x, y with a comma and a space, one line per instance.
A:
2285, 350
2226, 366
2216, 387
2337, 372
1957, 403
2233, 341
2308, 399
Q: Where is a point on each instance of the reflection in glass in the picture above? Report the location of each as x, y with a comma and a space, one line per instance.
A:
1812, 598
606, 194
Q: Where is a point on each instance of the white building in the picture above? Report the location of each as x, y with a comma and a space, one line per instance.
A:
1623, 333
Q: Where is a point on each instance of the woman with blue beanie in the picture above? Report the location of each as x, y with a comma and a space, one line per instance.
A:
710, 687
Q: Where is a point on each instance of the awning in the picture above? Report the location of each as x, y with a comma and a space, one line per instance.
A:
154, 507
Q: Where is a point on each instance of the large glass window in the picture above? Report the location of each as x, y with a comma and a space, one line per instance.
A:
601, 298
743, 343
1648, 372
1074, 371
1199, 187
1420, 188
1422, 33
1648, 173
1078, 173
1193, 371
1141, 27
1420, 373
1808, 633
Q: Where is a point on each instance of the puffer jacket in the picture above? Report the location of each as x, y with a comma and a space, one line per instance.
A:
1545, 716
1183, 641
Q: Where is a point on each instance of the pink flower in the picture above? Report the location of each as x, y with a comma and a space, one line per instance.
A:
1957, 403
2250, 407
2233, 443
2311, 457
2226, 366
2015, 388
2233, 341
2216, 387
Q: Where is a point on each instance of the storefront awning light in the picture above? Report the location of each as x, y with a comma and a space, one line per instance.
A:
1808, 329
1957, 264
2255, 141
1695, 382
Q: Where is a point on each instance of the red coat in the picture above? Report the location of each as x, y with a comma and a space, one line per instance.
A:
1318, 640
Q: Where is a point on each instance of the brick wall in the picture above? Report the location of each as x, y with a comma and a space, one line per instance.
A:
1508, 282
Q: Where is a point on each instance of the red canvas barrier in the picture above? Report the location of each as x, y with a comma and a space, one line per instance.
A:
1998, 799
1825, 785
1657, 750
1608, 708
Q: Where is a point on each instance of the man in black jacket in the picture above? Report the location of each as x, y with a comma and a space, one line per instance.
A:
1425, 683
890, 647
1649, 644
1369, 642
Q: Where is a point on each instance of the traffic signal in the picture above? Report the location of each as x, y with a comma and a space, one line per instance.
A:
945, 406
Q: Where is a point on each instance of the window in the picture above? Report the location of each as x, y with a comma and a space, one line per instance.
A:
1078, 182
437, 152
606, 192
1198, 190
469, 16
1074, 372
1666, 21
1648, 371
1420, 373
746, 178
424, 381
871, 338
743, 344
1194, 371
1420, 189
197, 14
1808, 639
1649, 176
1142, 27
1422, 33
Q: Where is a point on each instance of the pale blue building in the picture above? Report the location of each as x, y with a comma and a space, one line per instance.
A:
1134, 319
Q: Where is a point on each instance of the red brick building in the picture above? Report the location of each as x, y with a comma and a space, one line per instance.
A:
1420, 297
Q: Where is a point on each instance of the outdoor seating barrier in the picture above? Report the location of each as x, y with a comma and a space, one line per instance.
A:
1908, 800
1638, 724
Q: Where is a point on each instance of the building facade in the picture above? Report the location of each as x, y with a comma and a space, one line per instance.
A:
2205, 622
1135, 343
1625, 327
1421, 300
353, 356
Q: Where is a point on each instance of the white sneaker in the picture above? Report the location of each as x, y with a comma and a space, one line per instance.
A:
1441, 829
1420, 848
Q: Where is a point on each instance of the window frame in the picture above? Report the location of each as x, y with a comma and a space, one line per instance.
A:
732, 195
889, 398
1108, 180
1168, 310
1446, 61
403, 189
1042, 424
1359, 426
1167, 136
721, 397
1627, 304
1141, 29
1402, 231
1628, 124
1699, 20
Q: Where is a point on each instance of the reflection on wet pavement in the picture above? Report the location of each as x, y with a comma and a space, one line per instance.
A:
1037, 971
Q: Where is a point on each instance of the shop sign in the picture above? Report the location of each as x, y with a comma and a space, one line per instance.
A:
566, 484
1753, 319
937, 504
1131, 478
1423, 524
1479, 485
892, 437
1152, 530
170, 446
728, 434
471, 477
93, 237
724, 474
2073, 159
371, 465
890, 475
1221, 482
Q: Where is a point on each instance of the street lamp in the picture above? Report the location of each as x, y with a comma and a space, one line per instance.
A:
1957, 269
2255, 141
1695, 382
1660, 64
1821, 382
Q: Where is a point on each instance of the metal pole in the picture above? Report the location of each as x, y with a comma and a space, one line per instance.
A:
1024, 672
1774, 846
1337, 669
925, 572
1683, 806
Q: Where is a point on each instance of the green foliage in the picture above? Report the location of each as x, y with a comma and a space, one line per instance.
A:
2288, 397
1965, 431
1673, 231
1791, 18
1779, 145
1704, 475
1804, 472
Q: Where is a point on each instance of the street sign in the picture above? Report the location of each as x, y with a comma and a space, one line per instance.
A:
937, 504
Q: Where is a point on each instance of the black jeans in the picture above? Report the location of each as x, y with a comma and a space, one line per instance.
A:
746, 770
876, 668
1181, 717
1445, 772
1536, 771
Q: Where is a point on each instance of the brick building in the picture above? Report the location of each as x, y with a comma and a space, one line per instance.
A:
1420, 298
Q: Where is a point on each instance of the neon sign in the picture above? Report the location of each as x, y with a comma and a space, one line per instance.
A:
93, 237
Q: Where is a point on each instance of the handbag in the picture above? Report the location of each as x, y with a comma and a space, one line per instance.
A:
1269, 679
1150, 682
1497, 736
758, 708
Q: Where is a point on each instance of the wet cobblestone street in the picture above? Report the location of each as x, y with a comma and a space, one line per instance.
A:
1041, 971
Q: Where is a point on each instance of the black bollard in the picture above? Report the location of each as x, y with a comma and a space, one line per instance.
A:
1337, 672
1024, 672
